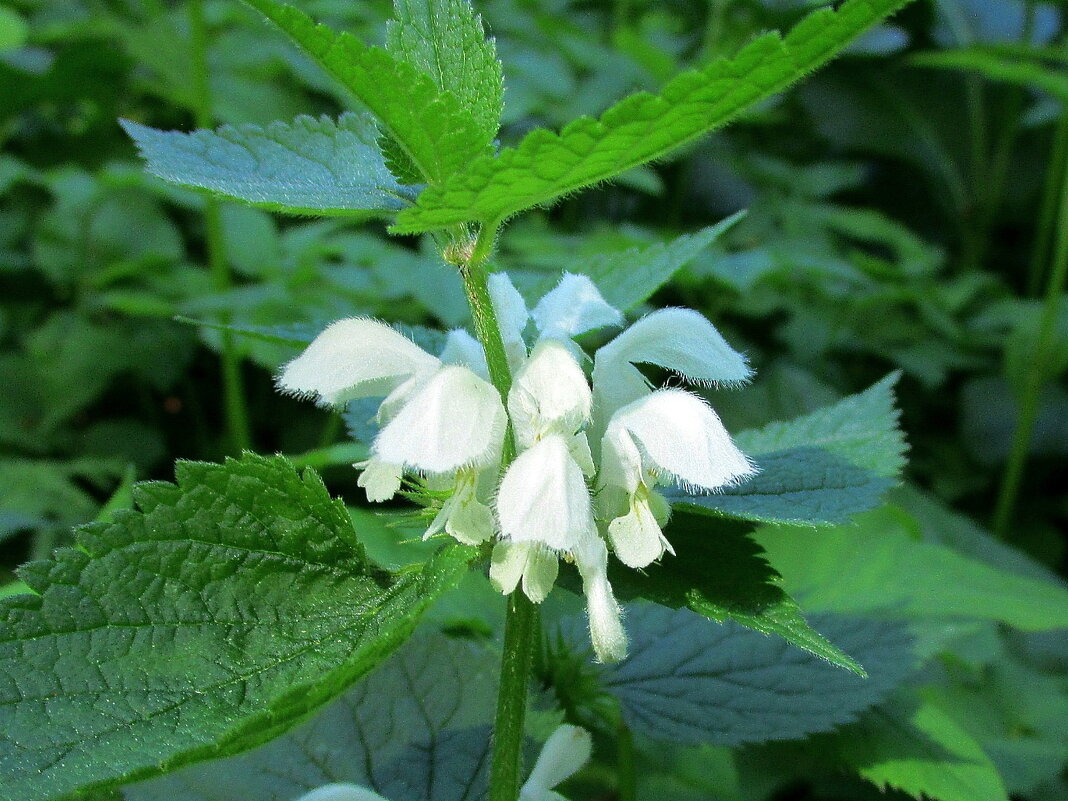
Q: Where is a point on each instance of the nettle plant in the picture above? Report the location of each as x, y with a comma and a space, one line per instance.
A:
235, 602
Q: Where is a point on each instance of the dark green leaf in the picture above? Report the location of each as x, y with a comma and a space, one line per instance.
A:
641, 128
211, 620
433, 128
690, 682
718, 571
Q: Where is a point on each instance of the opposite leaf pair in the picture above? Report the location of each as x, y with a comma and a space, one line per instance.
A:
620, 438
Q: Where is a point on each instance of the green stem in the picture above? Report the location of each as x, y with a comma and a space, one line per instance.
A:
1036, 378
627, 773
233, 385
520, 625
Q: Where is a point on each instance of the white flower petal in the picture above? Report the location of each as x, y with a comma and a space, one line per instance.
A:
354, 358
455, 420
563, 755
550, 394
463, 516
679, 434
677, 339
605, 617
579, 447
507, 563
512, 316
540, 573
636, 536
382, 480
462, 348
574, 307
543, 497
341, 792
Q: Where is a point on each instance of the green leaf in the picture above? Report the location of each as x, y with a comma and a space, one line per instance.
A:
879, 565
1017, 67
862, 429
298, 336
629, 277
213, 619
819, 469
308, 166
444, 40
641, 128
412, 729
918, 749
742, 587
805, 486
431, 127
689, 682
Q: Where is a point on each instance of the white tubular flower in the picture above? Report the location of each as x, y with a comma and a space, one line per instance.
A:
563, 755
543, 498
669, 434
532, 562
512, 316
341, 792
354, 358
550, 394
680, 340
574, 307
605, 617
455, 420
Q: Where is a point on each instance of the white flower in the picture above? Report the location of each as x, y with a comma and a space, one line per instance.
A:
355, 358
564, 753
439, 417
666, 436
573, 307
605, 617
341, 792
680, 340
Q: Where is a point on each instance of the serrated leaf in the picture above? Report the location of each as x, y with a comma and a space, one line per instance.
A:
414, 730
719, 572
641, 128
862, 429
878, 565
445, 41
629, 277
806, 486
690, 682
228, 607
819, 469
432, 128
308, 166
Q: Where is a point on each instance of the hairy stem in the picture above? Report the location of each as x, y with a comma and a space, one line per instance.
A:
233, 386
1036, 378
520, 625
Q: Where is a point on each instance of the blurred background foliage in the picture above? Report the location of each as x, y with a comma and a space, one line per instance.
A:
902, 214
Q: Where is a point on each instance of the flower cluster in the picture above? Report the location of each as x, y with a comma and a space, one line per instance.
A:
590, 457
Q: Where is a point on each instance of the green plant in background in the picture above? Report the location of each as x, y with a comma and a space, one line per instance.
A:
196, 635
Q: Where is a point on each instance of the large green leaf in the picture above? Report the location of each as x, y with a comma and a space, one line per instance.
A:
879, 565
819, 469
913, 746
432, 128
641, 128
444, 40
417, 728
718, 571
211, 620
690, 682
309, 166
